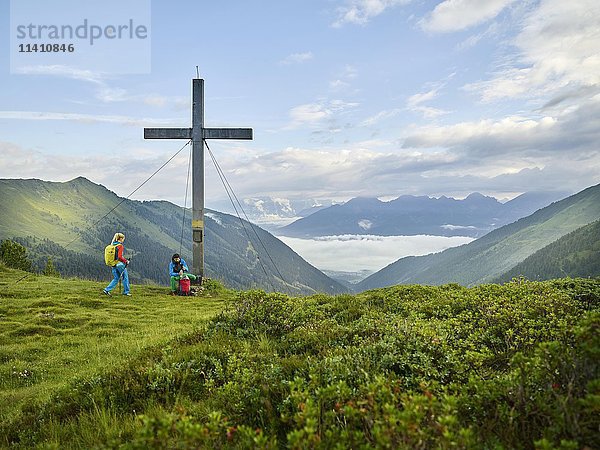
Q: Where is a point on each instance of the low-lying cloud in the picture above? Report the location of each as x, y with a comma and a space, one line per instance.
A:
352, 253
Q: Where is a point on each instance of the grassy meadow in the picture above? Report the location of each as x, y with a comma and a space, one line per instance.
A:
511, 366
53, 331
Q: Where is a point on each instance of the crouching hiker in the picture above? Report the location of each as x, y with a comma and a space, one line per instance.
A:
178, 269
113, 256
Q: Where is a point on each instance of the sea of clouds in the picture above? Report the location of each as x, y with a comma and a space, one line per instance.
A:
352, 253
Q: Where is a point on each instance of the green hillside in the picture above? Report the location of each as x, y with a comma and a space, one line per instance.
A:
57, 220
512, 366
576, 254
492, 255
54, 330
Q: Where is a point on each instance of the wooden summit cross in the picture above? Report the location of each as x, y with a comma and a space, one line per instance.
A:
197, 134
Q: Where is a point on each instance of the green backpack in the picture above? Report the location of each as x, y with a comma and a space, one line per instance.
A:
110, 255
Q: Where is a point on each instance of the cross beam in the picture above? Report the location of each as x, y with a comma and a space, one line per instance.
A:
197, 134
207, 133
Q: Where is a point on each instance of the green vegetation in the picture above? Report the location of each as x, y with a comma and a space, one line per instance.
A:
14, 255
53, 331
576, 254
489, 257
65, 222
513, 366
50, 270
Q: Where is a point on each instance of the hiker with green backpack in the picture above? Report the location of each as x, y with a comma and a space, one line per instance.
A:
113, 257
178, 270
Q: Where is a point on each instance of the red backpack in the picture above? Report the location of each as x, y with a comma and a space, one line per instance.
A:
185, 286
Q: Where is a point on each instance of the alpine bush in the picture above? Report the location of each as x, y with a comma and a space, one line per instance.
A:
408, 367
14, 255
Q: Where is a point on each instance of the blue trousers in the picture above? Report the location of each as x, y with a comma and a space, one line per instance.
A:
117, 271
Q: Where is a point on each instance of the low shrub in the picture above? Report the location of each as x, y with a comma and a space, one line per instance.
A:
513, 366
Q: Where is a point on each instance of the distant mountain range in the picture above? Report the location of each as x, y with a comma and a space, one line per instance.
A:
273, 212
57, 220
410, 215
60, 221
498, 255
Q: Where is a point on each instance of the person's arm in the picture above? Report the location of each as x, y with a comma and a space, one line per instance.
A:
172, 269
120, 254
185, 266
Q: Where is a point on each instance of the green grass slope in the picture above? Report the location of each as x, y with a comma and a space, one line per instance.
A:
58, 220
490, 256
576, 254
513, 366
54, 330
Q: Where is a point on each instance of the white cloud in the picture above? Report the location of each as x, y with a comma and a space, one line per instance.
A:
456, 15
156, 100
104, 92
86, 118
575, 130
350, 72
297, 58
214, 217
504, 155
312, 113
338, 84
514, 133
344, 78
298, 174
123, 178
415, 104
557, 47
334, 174
429, 112
380, 116
64, 71
112, 95
548, 151
458, 227
492, 31
417, 99
360, 12
353, 253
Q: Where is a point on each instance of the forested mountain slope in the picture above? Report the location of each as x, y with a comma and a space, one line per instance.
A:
576, 254
64, 221
494, 254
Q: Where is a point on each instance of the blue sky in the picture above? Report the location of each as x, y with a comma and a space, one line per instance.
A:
346, 98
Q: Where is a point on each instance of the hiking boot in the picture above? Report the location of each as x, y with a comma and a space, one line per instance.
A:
173, 293
128, 294
105, 292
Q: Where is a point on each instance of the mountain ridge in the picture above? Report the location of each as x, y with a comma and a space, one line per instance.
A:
576, 255
473, 216
49, 215
490, 256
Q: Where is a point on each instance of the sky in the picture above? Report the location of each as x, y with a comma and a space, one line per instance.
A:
346, 98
